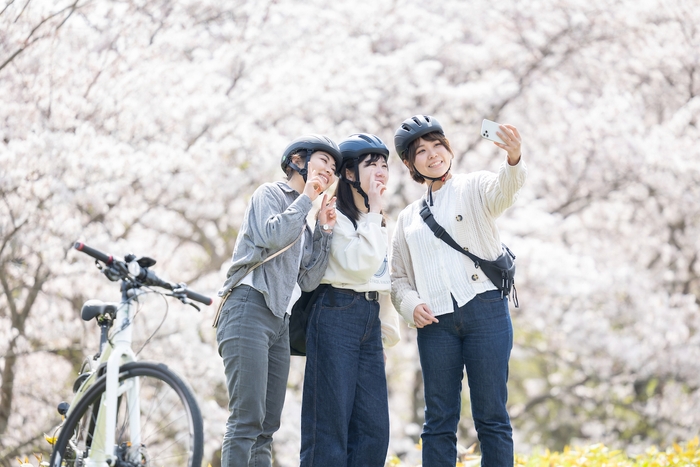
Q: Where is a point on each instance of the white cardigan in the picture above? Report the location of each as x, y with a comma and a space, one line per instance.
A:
358, 261
424, 269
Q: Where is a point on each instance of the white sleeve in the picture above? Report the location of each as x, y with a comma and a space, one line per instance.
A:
404, 294
359, 252
501, 190
391, 334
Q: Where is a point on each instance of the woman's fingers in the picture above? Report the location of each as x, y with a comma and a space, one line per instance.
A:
422, 316
326, 214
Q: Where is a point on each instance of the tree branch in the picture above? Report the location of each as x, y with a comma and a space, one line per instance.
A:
28, 42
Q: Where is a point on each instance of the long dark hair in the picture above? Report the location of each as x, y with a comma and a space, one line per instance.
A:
345, 200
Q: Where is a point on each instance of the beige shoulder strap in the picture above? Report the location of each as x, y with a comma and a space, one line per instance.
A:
223, 299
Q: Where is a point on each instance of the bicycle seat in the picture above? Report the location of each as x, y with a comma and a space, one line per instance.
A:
94, 308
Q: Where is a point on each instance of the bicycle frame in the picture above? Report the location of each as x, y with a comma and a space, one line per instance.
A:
108, 390
115, 353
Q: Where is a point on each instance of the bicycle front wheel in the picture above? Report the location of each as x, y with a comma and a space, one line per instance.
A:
170, 426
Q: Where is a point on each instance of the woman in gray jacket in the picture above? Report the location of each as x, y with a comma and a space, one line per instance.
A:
253, 324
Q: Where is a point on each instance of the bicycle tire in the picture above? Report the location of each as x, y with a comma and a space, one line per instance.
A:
171, 435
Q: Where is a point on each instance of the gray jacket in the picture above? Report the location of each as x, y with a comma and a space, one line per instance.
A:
273, 219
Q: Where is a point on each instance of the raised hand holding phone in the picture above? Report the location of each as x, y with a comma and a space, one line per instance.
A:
489, 131
505, 137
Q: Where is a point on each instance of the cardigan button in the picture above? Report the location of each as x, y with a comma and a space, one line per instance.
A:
475, 277
459, 217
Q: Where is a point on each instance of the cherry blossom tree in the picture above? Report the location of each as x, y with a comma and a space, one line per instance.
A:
145, 126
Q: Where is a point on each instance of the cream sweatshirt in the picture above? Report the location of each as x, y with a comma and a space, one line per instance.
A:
358, 261
424, 269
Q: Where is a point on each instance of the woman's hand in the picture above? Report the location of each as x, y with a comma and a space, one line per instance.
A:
422, 316
511, 139
327, 215
377, 188
314, 186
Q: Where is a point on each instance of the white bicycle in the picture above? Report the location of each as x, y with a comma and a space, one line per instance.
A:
127, 413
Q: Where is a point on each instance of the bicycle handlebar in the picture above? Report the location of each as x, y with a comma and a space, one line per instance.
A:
98, 255
143, 277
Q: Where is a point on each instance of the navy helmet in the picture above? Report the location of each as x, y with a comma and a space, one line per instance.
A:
357, 145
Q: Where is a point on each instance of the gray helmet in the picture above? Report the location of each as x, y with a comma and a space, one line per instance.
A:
310, 143
412, 129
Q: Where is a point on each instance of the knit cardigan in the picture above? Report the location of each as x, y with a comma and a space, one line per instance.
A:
424, 269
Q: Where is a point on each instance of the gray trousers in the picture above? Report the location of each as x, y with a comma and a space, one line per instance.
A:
254, 345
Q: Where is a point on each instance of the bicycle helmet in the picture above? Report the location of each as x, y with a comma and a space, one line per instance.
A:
353, 148
409, 131
412, 129
310, 144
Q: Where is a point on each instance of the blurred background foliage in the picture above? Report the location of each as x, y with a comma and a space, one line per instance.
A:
144, 127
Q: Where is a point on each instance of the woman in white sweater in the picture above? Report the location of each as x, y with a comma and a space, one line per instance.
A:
345, 414
462, 318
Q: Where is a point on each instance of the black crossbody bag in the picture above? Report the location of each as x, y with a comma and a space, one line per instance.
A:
501, 271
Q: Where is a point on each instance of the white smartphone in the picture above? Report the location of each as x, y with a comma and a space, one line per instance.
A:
489, 129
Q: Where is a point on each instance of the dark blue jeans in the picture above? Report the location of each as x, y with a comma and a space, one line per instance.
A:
477, 337
345, 412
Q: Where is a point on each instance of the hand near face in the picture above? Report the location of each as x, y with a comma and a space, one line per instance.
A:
511, 139
377, 187
321, 174
327, 214
317, 183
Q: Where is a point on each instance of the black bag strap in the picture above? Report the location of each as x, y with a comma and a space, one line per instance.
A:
442, 234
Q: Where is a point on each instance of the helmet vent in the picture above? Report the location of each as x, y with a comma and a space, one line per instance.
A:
415, 119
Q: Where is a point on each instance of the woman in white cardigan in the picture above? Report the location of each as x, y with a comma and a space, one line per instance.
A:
462, 318
345, 413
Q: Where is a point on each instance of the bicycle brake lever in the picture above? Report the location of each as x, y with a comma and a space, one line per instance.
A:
184, 300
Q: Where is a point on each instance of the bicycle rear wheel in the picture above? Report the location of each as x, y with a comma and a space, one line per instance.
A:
170, 423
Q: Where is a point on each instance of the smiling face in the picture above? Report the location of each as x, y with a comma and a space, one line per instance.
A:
430, 156
323, 165
373, 167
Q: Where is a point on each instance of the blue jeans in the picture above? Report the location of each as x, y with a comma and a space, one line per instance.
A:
345, 412
478, 337
254, 344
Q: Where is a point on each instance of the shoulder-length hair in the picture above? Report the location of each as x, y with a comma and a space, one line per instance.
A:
411, 153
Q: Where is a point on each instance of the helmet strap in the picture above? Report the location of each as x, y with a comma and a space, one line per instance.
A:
356, 183
433, 180
303, 171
